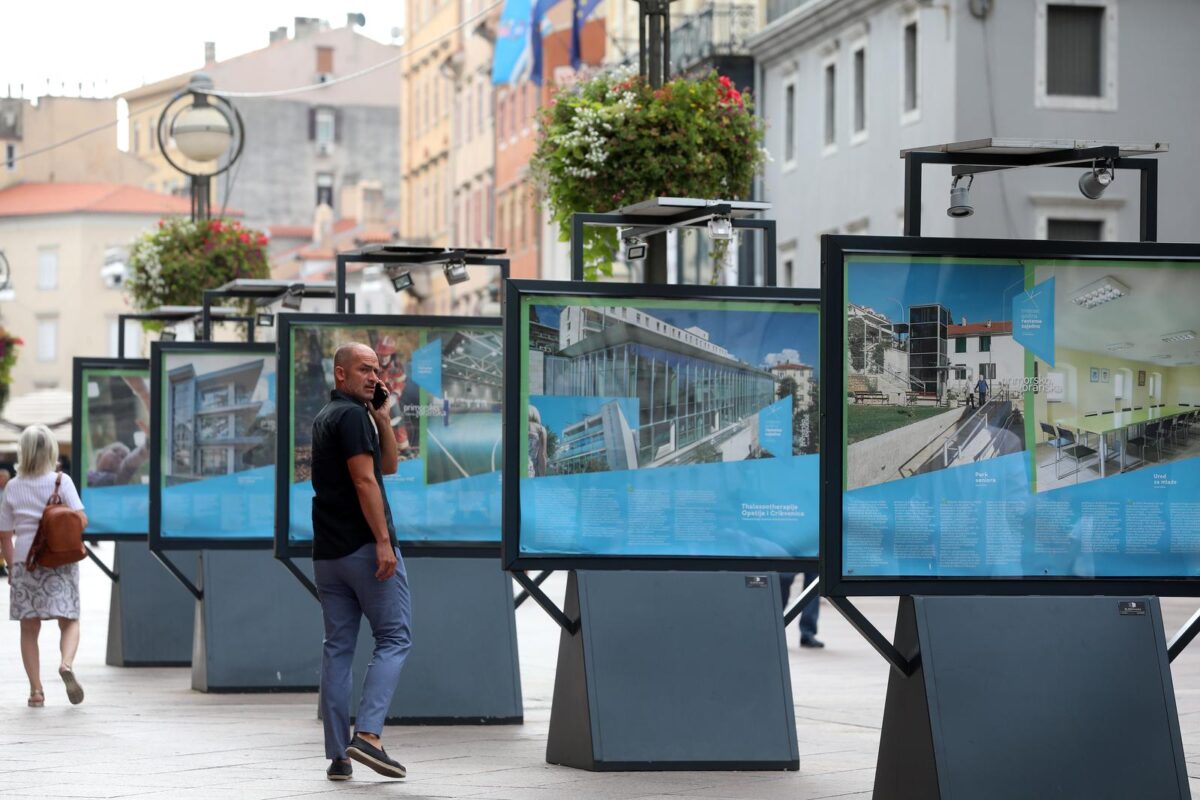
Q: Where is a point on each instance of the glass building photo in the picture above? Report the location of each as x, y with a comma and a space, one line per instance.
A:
633, 387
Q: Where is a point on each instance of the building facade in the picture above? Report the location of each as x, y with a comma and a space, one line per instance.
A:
985, 350
27, 127
602, 441
846, 85
804, 396
66, 245
301, 149
213, 421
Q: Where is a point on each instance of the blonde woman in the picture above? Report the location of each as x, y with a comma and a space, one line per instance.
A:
44, 592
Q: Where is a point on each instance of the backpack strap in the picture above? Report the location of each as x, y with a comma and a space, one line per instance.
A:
55, 499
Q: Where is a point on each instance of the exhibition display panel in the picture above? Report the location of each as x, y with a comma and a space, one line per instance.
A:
213, 460
660, 427
111, 432
444, 375
1009, 446
1012, 417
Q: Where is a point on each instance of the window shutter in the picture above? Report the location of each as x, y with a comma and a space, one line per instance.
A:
337, 125
1073, 64
312, 124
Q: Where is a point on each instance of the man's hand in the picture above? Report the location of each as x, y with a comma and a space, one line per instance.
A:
383, 414
385, 558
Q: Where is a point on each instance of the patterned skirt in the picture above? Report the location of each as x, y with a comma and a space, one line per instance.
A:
44, 593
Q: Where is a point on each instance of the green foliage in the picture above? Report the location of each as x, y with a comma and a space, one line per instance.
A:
173, 264
613, 141
8, 360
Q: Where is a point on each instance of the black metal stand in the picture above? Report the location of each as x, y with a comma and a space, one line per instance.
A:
179, 574
968, 163
112, 574
538, 581
402, 256
672, 671
652, 227
811, 594
1030, 697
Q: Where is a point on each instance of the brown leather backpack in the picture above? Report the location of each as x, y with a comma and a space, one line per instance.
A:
59, 537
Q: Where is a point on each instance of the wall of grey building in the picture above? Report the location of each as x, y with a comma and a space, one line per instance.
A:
1156, 100
859, 187
275, 180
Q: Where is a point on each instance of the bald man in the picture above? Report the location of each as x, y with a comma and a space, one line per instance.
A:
357, 564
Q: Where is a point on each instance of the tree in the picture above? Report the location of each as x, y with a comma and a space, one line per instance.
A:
787, 388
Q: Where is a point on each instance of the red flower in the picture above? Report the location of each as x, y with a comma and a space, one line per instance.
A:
215, 226
244, 238
724, 81
236, 224
18, 340
160, 223
262, 240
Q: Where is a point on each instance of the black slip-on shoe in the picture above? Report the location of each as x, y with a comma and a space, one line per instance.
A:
812, 642
339, 770
374, 757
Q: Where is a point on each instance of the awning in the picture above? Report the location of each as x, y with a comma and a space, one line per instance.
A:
50, 407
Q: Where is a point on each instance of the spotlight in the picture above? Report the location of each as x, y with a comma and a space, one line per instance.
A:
960, 201
264, 319
292, 298
402, 281
455, 272
1093, 182
635, 249
720, 228
167, 336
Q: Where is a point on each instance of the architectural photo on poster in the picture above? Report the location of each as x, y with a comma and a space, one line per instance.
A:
114, 448
668, 427
218, 442
1033, 417
444, 376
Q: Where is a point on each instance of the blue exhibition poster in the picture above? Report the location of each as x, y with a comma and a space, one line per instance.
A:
1021, 418
669, 427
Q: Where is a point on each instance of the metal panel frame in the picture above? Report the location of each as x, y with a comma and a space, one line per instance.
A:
284, 548
78, 365
159, 544
834, 250
512, 558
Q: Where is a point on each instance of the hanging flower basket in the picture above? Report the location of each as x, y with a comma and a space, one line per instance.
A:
173, 264
613, 141
8, 360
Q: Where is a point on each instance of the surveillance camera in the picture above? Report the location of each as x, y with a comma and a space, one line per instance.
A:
113, 275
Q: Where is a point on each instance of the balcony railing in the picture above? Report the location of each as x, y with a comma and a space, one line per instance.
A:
719, 29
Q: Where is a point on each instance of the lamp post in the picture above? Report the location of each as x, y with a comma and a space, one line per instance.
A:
202, 126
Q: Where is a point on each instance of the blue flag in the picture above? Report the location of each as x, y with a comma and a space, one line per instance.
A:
583, 10
538, 25
512, 42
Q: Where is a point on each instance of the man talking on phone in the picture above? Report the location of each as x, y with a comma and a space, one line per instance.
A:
357, 565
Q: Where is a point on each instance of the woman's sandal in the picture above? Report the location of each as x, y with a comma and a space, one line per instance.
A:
37, 699
74, 690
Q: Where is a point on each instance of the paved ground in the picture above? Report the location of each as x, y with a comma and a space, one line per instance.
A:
143, 733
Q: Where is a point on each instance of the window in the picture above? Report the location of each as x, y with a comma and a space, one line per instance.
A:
325, 131
325, 188
987, 371
960, 373
911, 108
324, 60
830, 106
1075, 230
1120, 384
789, 124
47, 268
1076, 55
860, 94
47, 338
960, 344
10, 156
985, 344
480, 110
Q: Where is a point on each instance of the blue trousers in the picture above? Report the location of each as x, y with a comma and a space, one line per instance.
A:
348, 590
809, 616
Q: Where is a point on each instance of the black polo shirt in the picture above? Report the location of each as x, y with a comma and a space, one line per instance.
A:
342, 429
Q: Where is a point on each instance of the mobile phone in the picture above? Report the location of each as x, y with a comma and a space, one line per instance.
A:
380, 397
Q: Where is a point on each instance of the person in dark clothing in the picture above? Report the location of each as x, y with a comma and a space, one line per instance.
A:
808, 617
981, 386
357, 565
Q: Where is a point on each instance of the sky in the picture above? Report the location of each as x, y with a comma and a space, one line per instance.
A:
977, 292
121, 45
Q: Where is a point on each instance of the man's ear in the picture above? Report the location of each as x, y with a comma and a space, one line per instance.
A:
339, 373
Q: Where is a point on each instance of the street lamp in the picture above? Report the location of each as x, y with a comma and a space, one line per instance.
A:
202, 126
